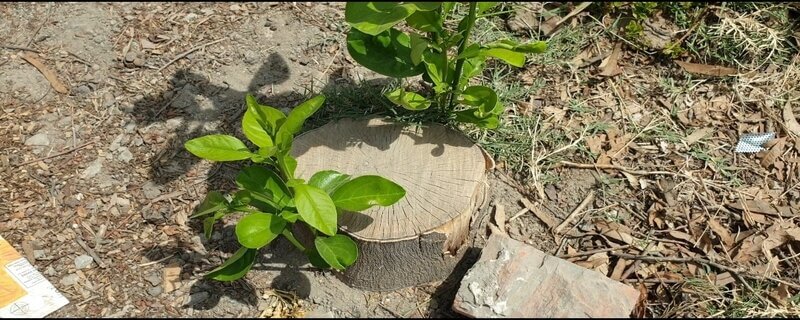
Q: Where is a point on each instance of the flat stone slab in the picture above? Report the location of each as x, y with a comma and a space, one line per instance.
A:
515, 280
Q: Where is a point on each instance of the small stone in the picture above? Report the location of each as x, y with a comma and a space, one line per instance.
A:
197, 298
40, 139
235, 7
93, 169
190, 17
125, 155
108, 99
83, 261
83, 90
50, 271
139, 62
130, 56
130, 128
151, 190
39, 254
154, 279
69, 280
155, 291
174, 123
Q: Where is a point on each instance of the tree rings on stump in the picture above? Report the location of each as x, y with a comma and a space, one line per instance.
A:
420, 238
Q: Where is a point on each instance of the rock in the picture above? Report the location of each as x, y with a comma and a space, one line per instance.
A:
40, 139
174, 123
93, 169
124, 155
69, 280
108, 99
513, 279
130, 56
39, 254
82, 90
197, 298
151, 190
139, 62
154, 279
83, 261
155, 291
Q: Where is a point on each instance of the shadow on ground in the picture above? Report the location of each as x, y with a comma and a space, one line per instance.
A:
182, 108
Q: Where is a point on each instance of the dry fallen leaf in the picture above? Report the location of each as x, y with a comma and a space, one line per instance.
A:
723, 279
790, 120
773, 154
723, 233
57, 85
609, 67
780, 294
697, 135
705, 69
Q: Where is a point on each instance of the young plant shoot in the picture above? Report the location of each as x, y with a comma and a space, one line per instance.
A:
272, 199
444, 57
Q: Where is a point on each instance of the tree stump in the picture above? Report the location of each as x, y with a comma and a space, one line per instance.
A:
420, 238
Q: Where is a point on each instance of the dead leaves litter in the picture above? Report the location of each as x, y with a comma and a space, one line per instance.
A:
705, 69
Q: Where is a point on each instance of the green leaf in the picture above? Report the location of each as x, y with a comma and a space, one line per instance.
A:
328, 180
532, 47
290, 216
315, 259
241, 198
436, 66
287, 164
418, 46
472, 67
208, 223
268, 117
235, 267
316, 208
298, 115
259, 229
424, 6
447, 7
264, 185
483, 6
470, 51
338, 251
513, 58
489, 122
428, 21
208, 226
213, 202
260, 122
388, 53
374, 17
366, 191
480, 96
218, 147
408, 100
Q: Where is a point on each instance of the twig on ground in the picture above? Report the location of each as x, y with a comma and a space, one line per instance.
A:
586, 201
19, 48
81, 146
187, 52
591, 252
735, 272
90, 252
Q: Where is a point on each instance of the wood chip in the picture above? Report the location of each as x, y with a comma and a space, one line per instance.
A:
171, 276
46, 72
500, 217
705, 69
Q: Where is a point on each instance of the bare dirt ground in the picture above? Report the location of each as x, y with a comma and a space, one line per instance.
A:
100, 168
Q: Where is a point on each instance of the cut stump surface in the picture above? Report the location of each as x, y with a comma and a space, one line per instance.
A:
418, 239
